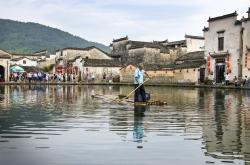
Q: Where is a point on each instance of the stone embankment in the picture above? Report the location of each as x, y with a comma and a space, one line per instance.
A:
189, 85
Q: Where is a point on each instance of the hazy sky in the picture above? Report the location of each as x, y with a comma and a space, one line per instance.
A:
103, 20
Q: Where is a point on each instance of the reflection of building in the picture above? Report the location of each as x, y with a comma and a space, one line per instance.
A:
4, 96
226, 131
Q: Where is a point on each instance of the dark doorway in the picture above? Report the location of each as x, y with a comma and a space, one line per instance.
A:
202, 75
220, 73
2, 71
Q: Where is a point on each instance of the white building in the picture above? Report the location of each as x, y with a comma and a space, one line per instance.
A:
4, 65
246, 45
23, 61
65, 57
194, 43
223, 47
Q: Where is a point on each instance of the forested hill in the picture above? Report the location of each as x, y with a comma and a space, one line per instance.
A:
31, 37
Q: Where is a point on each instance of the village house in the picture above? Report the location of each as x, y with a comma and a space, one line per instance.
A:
158, 74
159, 58
83, 62
134, 52
156, 52
189, 68
178, 48
226, 47
39, 55
48, 62
4, 65
103, 69
23, 61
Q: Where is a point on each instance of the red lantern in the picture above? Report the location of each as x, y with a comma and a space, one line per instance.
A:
208, 64
228, 65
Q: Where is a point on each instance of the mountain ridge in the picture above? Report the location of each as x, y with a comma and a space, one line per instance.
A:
29, 37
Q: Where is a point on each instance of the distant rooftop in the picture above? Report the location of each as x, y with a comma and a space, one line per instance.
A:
87, 48
234, 14
4, 54
248, 10
40, 51
120, 39
194, 37
180, 42
197, 55
141, 44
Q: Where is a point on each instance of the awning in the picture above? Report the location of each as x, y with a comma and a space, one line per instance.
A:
17, 69
219, 55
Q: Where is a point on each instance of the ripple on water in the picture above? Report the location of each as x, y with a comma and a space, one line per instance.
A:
211, 124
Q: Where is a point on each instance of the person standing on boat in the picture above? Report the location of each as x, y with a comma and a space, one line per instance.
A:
138, 81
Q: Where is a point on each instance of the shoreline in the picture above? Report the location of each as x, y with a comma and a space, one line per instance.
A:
186, 85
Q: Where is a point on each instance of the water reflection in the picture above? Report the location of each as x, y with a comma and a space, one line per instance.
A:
138, 131
211, 123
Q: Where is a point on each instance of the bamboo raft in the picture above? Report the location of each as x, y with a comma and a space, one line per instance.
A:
124, 100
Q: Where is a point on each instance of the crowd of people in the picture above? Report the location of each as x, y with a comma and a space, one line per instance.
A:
30, 77
244, 82
56, 77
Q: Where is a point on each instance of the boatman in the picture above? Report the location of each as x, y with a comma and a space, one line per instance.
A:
138, 81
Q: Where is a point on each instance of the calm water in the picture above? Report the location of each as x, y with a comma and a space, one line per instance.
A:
63, 125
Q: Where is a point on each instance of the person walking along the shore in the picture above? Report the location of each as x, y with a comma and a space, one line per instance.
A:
138, 81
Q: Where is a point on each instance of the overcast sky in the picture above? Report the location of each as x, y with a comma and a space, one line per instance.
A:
103, 20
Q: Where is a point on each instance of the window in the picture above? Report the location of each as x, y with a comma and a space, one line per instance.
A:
220, 41
24, 61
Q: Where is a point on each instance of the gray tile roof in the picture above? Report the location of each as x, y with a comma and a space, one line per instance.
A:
140, 44
180, 42
194, 37
234, 14
188, 60
120, 39
102, 63
73, 59
190, 64
205, 29
219, 54
87, 48
4, 54
191, 56
248, 10
20, 58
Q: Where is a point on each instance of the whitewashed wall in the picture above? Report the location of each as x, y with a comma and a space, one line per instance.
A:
246, 44
28, 62
194, 44
6, 64
231, 41
99, 71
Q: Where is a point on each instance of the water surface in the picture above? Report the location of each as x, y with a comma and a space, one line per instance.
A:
65, 125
